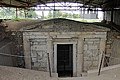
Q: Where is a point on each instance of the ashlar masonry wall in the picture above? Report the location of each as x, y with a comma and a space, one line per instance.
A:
87, 49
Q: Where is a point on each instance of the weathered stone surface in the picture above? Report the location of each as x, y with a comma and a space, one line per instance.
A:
89, 40
91, 53
13, 25
64, 25
39, 53
91, 48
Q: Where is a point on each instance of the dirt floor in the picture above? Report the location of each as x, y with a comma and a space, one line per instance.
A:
16, 25
11, 73
113, 74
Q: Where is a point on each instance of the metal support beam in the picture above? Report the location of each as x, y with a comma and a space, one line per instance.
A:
16, 13
10, 5
112, 12
21, 1
90, 1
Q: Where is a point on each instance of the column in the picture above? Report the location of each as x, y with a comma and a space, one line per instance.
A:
50, 51
80, 57
27, 50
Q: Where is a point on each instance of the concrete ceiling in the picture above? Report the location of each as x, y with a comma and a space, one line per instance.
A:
30, 3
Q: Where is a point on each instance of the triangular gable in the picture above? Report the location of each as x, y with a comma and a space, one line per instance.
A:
63, 25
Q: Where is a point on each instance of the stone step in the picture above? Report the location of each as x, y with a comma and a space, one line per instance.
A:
71, 78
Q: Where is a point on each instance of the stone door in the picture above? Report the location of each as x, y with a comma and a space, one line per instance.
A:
38, 53
91, 53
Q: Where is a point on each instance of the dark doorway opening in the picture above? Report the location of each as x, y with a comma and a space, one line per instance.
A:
65, 60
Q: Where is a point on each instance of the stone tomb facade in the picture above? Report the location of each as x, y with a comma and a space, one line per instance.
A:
74, 47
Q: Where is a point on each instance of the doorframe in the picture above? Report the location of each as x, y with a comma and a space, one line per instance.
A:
74, 56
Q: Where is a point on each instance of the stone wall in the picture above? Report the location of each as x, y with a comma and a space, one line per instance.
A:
50, 39
112, 48
91, 53
43, 37
39, 53
64, 25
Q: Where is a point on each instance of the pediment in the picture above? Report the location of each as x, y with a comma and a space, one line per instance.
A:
63, 25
